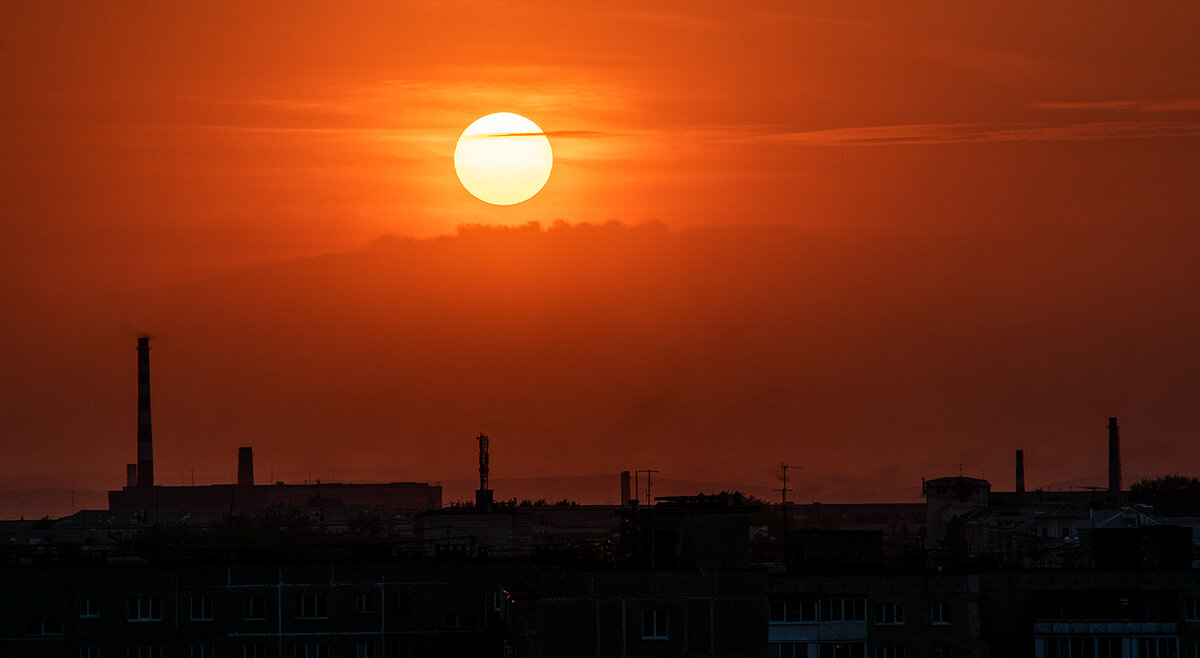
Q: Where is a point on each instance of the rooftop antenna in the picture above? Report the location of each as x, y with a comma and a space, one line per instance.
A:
648, 472
784, 489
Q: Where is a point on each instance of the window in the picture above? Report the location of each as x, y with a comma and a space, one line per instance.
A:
364, 650
789, 650
46, 627
654, 625
1191, 609
457, 620
889, 651
89, 607
145, 608
311, 606
253, 651
201, 608
202, 651
842, 650
1157, 647
364, 602
399, 601
844, 609
254, 606
312, 650
793, 611
145, 651
940, 651
889, 614
937, 613
1091, 647
89, 652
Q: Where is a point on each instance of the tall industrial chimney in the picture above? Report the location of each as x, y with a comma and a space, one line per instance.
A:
1114, 456
131, 475
1020, 471
245, 467
145, 445
483, 495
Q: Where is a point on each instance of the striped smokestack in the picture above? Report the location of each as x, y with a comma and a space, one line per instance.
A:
145, 445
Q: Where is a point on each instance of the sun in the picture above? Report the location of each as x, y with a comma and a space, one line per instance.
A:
503, 159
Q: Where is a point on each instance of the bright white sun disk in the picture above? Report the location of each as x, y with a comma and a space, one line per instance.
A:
503, 158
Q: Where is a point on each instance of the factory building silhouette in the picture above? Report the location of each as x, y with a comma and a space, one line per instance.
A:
162, 503
385, 570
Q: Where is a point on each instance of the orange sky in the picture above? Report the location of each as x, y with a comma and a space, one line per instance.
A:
881, 241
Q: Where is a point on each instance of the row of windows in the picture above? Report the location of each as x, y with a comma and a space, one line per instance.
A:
848, 650
253, 650
824, 650
797, 610
254, 606
1111, 647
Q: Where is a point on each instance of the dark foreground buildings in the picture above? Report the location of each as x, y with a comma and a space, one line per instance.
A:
374, 571
697, 576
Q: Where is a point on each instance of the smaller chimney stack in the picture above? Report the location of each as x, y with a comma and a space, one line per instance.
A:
245, 467
1020, 471
624, 488
1114, 456
131, 475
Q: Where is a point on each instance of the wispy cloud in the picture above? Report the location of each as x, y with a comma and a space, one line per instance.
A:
960, 133
585, 134
1178, 105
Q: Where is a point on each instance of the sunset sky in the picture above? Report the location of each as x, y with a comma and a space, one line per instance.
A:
879, 241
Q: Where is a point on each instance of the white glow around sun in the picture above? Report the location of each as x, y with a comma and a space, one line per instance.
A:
503, 158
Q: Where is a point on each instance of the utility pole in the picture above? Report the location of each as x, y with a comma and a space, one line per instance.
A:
648, 472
